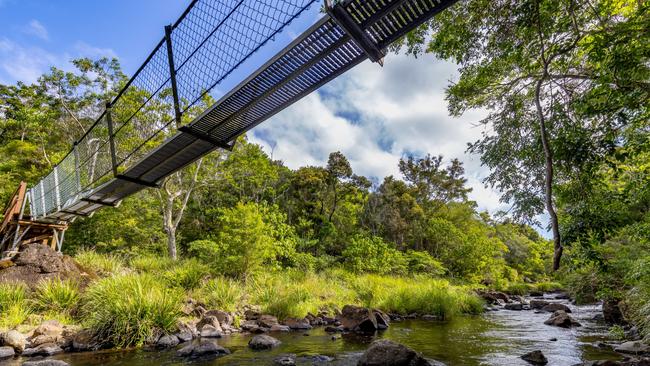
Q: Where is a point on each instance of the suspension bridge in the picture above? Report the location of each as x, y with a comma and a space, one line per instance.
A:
158, 123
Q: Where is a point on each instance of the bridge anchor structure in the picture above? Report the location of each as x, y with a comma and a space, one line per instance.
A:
18, 229
159, 122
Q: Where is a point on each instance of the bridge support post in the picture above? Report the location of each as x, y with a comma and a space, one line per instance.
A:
172, 74
77, 172
111, 139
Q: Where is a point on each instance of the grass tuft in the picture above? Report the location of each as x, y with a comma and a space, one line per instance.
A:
14, 306
55, 295
125, 310
103, 265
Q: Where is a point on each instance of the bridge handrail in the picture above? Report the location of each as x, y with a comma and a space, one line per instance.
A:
210, 40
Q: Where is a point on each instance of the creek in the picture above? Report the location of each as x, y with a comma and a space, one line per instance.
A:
494, 338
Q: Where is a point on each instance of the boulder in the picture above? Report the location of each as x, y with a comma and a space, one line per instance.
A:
535, 293
554, 306
514, 306
561, 319
361, 319
167, 341
267, 321
184, 336
251, 314
430, 317
535, 358
612, 312
47, 349
37, 262
14, 339
388, 353
225, 318
494, 298
300, 324
84, 341
46, 363
383, 320
209, 331
538, 304
562, 296
49, 328
633, 347
208, 320
7, 352
279, 328
42, 339
203, 348
249, 325
263, 341
285, 360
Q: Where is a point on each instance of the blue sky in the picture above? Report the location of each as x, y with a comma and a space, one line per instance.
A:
373, 115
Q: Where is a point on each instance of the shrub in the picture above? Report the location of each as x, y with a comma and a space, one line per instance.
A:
103, 265
125, 310
372, 254
56, 295
420, 262
204, 250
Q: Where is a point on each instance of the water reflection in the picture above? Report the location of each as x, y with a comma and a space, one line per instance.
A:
496, 338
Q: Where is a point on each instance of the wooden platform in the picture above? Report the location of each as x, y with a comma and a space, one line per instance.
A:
18, 228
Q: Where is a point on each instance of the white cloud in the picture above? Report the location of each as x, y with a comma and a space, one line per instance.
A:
25, 64
35, 28
376, 115
86, 50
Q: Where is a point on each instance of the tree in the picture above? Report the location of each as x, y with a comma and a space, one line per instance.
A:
551, 75
433, 182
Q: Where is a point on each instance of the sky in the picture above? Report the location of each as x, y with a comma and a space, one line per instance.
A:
372, 114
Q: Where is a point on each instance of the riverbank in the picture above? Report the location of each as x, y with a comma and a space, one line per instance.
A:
498, 337
109, 302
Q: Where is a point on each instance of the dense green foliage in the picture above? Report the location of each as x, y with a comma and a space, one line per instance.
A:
567, 87
565, 84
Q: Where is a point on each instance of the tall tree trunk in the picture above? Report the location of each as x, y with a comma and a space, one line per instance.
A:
548, 178
171, 243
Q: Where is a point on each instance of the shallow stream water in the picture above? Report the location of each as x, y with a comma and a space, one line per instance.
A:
494, 338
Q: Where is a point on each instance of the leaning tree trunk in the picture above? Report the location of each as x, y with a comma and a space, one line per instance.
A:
548, 178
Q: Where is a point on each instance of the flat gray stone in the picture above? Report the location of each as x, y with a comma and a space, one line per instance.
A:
7, 352
263, 341
46, 363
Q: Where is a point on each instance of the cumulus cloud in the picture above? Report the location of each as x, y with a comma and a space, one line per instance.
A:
36, 29
26, 64
376, 115
86, 50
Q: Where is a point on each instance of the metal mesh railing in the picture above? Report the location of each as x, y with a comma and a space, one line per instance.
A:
203, 48
210, 40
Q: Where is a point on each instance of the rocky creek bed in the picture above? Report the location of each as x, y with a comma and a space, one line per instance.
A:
506, 332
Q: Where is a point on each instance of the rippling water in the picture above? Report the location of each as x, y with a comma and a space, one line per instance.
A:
495, 338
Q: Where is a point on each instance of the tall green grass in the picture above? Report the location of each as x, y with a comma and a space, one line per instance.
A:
187, 274
221, 293
420, 294
103, 265
55, 295
125, 310
14, 305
